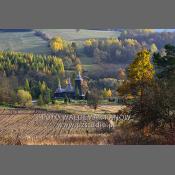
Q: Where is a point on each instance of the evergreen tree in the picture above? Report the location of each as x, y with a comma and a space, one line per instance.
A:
46, 96
77, 92
40, 100
27, 86
165, 63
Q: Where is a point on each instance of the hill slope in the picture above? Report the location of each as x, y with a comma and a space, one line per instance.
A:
78, 34
27, 41
23, 42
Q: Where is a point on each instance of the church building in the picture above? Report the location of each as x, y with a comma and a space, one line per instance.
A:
70, 91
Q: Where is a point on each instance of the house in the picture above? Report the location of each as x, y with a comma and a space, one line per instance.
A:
70, 91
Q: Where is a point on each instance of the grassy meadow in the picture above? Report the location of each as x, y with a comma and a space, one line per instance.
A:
79, 34
23, 42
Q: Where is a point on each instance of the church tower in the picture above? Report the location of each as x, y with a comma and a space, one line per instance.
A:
78, 85
69, 87
59, 86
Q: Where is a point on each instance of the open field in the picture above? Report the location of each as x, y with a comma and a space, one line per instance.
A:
33, 126
49, 127
79, 35
84, 109
23, 42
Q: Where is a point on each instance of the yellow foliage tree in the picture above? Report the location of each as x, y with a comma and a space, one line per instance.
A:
89, 42
113, 41
66, 82
58, 63
141, 70
140, 75
145, 30
106, 93
42, 87
131, 42
153, 48
79, 68
57, 44
24, 98
109, 93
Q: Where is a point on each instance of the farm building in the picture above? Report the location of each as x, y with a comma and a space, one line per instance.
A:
70, 91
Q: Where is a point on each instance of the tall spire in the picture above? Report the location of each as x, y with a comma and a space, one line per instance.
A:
79, 76
69, 87
59, 84
69, 81
59, 89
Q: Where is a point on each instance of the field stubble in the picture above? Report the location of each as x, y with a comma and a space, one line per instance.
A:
30, 127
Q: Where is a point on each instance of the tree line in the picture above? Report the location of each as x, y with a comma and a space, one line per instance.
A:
16, 63
114, 50
68, 51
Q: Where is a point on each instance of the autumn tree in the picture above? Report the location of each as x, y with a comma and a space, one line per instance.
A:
89, 42
57, 44
113, 41
156, 105
61, 47
84, 86
141, 71
131, 42
24, 98
153, 48
78, 68
89, 46
58, 64
106, 93
140, 76
140, 84
121, 74
16, 63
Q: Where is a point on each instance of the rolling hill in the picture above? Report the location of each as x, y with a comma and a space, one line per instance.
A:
27, 41
79, 34
24, 41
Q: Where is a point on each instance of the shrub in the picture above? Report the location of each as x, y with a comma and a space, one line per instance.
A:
93, 99
24, 98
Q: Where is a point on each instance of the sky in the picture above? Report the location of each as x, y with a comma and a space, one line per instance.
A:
167, 30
